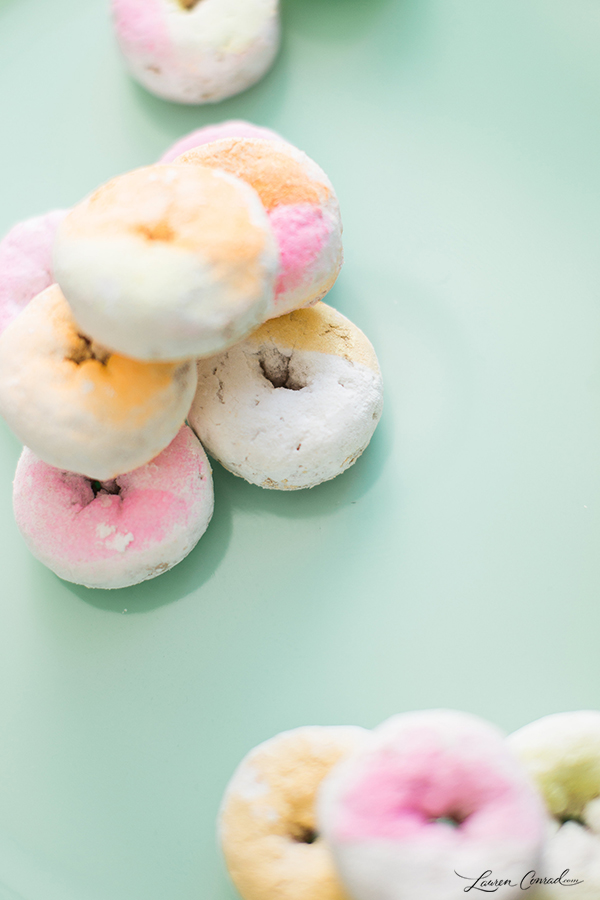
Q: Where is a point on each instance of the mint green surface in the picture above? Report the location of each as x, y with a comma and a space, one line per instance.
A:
457, 563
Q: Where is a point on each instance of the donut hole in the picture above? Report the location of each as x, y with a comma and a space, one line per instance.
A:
275, 367
105, 487
188, 4
86, 349
578, 820
453, 821
305, 835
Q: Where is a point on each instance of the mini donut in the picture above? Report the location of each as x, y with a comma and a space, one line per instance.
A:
235, 128
293, 405
431, 801
168, 262
197, 51
302, 208
26, 263
79, 407
561, 753
268, 821
116, 533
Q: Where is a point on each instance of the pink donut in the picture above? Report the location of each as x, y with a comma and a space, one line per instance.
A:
430, 802
235, 128
26, 263
197, 51
121, 532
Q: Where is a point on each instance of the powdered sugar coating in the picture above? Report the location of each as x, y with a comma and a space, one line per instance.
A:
26, 263
268, 816
134, 527
302, 208
561, 752
430, 794
197, 52
168, 262
80, 407
234, 128
293, 405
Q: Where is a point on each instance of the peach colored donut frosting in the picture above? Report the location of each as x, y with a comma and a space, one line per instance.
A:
26, 263
235, 128
268, 816
80, 407
117, 533
168, 262
429, 795
197, 51
302, 208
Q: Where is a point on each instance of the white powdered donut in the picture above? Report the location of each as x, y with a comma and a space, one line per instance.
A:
429, 803
268, 816
197, 51
168, 262
118, 533
80, 407
293, 405
561, 752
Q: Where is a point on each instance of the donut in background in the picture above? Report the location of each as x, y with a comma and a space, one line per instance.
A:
197, 51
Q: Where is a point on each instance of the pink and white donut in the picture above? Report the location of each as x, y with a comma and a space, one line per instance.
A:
429, 803
302, 207
26, 263
235, 128
121, 532
197, 51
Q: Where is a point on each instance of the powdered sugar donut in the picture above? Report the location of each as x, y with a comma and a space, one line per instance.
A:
168, 262
78, 406
268, 818
431, 801
26, 263
121, 532
235, 128
562, 754
197, 51
294, 404
302, 207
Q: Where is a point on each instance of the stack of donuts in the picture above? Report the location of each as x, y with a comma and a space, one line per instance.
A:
177, 306
428, 806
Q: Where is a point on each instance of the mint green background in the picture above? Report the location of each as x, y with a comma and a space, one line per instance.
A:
457, 563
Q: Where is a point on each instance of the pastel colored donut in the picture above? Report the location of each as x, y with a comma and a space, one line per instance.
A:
168, 262
197, 51
430, 802
302, 208
80, 407
26, 263
268, 817
561, 752
116, 533
293, 405
235, 128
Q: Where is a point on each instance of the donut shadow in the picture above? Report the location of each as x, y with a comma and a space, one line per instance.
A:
177, 119
184, 578
324, 499
333, 20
